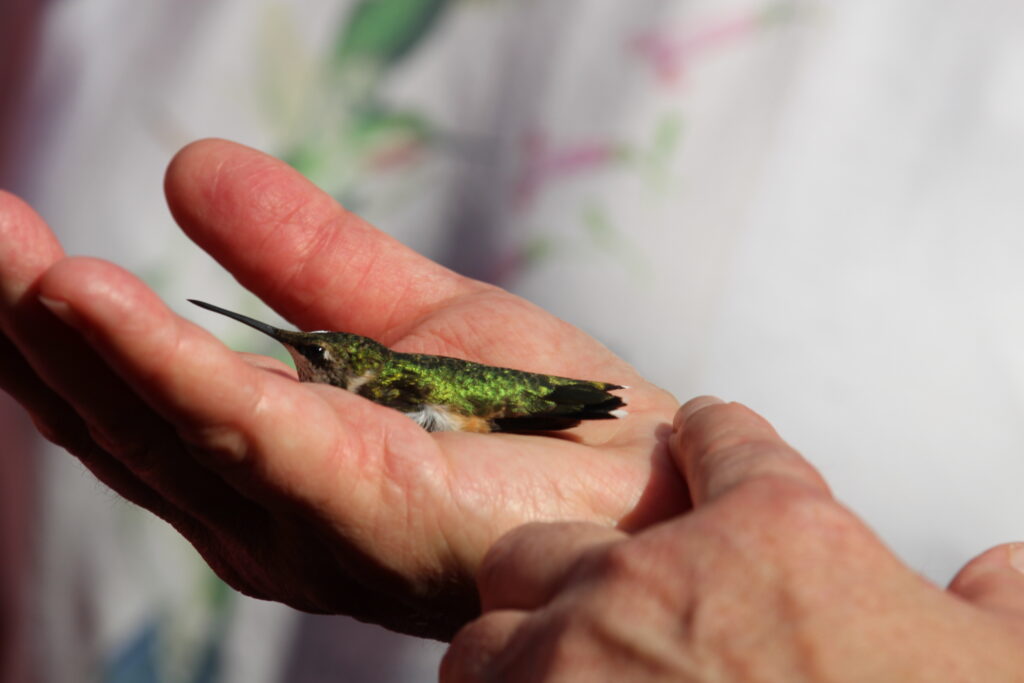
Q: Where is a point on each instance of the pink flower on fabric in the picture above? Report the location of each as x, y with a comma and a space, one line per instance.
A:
543, 164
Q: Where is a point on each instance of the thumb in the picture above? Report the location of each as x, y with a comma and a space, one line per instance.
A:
994, 580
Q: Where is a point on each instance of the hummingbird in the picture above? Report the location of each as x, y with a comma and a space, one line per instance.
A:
442, 393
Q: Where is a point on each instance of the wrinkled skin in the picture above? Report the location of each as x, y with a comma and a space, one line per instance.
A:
767, 579
304, 493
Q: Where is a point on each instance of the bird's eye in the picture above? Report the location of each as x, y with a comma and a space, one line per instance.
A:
315, 353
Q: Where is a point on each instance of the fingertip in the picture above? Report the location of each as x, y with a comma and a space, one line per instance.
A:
994, 579
708, 423
199, 179
198, 154
1005, 556
13, 205
478, 644
691, 408
720, 445
27, 247
15, 212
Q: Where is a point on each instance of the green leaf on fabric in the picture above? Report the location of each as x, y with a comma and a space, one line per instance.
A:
384, 31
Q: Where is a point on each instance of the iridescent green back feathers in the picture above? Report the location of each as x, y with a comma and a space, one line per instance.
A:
509, 400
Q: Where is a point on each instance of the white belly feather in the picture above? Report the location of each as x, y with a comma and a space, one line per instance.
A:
437, 419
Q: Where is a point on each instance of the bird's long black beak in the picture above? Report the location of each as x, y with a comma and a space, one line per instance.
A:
255, 324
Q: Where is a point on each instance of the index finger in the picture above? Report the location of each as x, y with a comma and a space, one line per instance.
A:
719, 446
293, 245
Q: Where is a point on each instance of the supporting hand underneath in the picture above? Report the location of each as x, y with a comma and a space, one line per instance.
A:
767, 579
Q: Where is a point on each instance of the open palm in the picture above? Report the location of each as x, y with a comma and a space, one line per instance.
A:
305, 493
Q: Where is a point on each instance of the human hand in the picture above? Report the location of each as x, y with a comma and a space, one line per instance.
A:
305, 493
767, 579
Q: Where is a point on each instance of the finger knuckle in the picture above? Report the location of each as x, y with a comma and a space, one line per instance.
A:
460, 651
797, 514
740, 458
619, 563
63, 431
471, 654
567, 650
492, 571
133, 450
223, 448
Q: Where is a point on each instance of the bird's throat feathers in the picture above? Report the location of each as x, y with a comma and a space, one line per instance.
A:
334, 357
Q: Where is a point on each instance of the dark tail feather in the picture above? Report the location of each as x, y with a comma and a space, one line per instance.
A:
573, 404
585, 402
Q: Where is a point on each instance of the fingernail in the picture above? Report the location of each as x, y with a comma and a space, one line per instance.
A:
59, 308
1017, 557
691, 407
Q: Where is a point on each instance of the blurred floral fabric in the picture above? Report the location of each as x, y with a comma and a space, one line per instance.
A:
809, 206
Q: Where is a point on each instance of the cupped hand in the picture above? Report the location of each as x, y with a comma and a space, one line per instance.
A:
304, 493
768, 578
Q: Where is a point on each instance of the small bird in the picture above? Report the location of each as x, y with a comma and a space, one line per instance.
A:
442, 393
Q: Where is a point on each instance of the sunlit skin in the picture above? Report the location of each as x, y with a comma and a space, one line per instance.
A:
305, 493
768, 578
